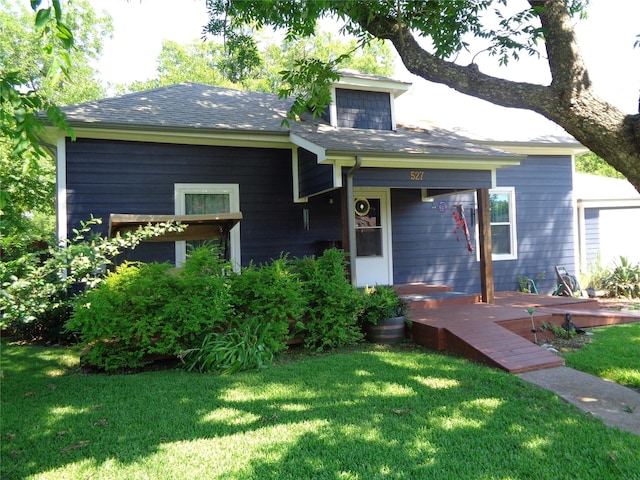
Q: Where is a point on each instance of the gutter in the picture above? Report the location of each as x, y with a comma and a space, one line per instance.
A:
351, 222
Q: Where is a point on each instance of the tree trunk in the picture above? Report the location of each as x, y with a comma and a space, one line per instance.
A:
569, 100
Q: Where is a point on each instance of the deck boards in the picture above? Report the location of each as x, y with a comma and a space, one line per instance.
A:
498, 334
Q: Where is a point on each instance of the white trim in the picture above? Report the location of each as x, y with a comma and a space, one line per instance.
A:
333, 108
295, 173
543, 146
610, 203
511, 192
233, 189
231, 138
451, 162
319, 151
371, 83
385, 204
61, 190
392, 103
582, 239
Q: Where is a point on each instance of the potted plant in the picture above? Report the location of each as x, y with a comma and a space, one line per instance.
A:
383, 315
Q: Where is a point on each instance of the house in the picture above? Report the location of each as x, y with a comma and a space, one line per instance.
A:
401, 196
608, 219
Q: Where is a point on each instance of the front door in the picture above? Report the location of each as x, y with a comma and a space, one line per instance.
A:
372, 210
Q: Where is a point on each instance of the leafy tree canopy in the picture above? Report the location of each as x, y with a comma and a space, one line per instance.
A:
591, 163
42, 65
207, 62
430, 35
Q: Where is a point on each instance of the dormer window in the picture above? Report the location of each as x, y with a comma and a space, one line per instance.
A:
364, 101
362, 109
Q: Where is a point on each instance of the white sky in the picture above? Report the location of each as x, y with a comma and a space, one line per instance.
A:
606, 40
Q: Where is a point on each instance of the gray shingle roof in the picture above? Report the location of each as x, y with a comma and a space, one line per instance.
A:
404, 141
185, 105
194, 106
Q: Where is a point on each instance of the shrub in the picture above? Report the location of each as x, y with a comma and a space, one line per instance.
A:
624, 280
41, 286
120, 321
242, 347
379, 303
202, 302
332, 302
142, 310
272, 294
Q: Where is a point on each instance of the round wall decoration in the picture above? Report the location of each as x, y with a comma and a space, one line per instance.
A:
361, 206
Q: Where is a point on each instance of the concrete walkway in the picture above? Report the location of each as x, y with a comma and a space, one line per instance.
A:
616, 405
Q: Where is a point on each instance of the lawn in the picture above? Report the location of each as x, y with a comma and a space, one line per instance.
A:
366, 413
613, 354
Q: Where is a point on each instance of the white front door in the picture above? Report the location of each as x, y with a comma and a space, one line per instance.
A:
372, 209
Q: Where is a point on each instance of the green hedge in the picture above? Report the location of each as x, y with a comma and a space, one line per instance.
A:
212, 319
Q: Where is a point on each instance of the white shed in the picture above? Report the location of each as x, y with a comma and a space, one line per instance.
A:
608, 220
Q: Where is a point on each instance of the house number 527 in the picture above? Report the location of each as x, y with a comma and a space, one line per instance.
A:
416, 175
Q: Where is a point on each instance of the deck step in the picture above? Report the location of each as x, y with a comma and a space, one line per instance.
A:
441, 299
420, 289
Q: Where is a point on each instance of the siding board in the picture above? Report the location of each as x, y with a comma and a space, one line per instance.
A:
106, 177
425, 248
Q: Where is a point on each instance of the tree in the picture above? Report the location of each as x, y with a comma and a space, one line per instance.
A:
447, 26
206, 61
39, 69
591, 163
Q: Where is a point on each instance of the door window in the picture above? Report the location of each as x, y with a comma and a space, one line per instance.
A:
368, 227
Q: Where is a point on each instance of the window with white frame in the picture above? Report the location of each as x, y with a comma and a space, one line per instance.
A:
502, 202
504, 241
204, 198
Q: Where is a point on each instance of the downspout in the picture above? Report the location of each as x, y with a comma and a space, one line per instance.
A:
351, 219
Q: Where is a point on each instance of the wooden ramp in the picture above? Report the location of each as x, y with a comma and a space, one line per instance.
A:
498, 334
473, 331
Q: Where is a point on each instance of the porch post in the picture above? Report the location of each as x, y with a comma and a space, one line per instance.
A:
351, 220
484, 229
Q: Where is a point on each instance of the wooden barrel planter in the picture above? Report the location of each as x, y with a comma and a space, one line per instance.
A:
390, 330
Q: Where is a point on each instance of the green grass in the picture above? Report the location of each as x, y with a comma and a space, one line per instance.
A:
613, 354
367, 413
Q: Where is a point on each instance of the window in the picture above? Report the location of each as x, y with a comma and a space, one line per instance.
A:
503, 223
368, 227
203, 198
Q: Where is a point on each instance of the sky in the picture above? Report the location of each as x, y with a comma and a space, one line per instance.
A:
606, 40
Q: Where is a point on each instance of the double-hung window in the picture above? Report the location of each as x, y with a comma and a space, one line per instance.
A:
204, 198
502, 202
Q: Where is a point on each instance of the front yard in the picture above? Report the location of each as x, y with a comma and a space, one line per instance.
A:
368, 412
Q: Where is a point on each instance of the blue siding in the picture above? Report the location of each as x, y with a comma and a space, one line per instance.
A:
426, 249
422, 178
361, 109
106, 177
545, 220
313, 178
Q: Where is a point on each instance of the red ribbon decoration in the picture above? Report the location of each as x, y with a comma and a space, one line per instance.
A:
461, 223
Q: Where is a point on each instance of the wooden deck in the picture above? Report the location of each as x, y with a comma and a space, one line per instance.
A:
498, 334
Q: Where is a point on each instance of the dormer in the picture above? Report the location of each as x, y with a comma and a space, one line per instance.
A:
365, 101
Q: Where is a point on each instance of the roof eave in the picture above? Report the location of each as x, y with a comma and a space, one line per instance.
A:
191, 136
421, 160
537, 147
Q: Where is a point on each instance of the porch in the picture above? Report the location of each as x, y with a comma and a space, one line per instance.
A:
498, 334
